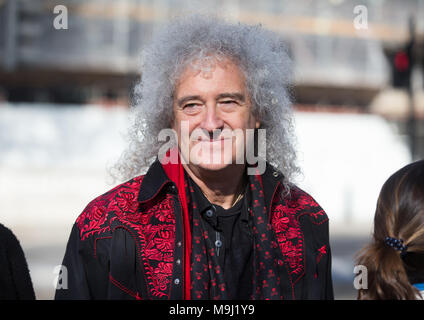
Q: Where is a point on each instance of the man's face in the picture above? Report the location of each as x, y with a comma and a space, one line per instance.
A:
212, 106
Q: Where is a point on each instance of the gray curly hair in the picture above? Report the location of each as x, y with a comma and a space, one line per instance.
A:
261, 56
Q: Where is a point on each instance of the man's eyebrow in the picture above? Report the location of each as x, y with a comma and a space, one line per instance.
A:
233, 95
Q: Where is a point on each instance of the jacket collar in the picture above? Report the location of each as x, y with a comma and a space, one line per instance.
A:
153, 182
156, 179
271, 180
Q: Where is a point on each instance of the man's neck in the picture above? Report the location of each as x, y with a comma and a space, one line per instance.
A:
221, 187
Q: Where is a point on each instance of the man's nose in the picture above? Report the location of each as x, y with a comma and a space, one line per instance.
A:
211, 120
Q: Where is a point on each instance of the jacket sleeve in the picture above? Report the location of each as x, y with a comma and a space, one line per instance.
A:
328, 291
72, 281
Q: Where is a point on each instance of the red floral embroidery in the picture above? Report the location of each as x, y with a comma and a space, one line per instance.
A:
166, 211
92, 219
126, 201
96, 216
292, 233
145, 218
154, 227
285, 221
164, 241
161, 279
280, 219
321, 251
158, 234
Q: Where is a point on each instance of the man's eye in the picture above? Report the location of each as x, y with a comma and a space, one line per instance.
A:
192, 108
228, 101
228, 105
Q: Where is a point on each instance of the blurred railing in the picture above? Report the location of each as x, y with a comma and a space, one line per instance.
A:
108, 35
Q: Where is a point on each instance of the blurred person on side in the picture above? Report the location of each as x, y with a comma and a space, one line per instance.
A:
3, 96
395, 257
15, 279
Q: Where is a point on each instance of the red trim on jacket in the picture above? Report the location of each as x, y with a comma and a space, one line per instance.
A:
175, 172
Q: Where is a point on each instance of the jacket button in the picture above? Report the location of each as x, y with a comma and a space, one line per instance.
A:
218, 243
178, 261
177, 281
209, 213
179, 244
275, 174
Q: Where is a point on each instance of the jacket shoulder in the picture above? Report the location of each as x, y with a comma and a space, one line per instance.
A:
304, 204
102, 210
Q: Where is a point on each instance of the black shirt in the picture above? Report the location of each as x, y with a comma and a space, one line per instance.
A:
231, 237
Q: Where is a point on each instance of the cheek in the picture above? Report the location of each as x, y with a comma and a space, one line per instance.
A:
252, 122
244, 119
184, 128
246, 122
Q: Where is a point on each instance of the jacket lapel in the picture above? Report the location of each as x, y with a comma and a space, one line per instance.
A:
156, 229
165, 232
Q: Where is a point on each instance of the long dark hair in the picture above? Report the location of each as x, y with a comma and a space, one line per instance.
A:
399, 215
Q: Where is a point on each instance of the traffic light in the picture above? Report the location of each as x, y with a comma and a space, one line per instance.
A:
401, 64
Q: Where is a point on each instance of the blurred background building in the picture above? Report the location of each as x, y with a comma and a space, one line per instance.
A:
65, 93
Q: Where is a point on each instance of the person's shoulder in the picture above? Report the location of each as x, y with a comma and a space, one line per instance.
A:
5, 232
118, 201
7, 237
305, 205
128, 191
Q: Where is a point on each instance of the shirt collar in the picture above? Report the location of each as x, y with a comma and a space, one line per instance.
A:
201, 201
211, 212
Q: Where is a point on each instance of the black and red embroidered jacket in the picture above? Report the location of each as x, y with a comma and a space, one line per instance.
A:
134, 242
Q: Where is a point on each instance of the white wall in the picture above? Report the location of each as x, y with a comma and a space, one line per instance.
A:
52, 163
346, 158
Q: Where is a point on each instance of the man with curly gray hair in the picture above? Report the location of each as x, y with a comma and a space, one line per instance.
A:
216, 215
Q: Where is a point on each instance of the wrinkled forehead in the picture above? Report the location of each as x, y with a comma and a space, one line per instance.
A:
204, 65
